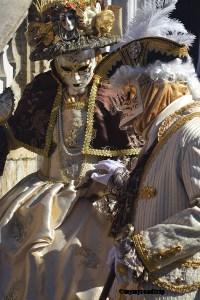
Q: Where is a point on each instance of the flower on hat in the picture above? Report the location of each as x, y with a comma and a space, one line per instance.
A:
71, 5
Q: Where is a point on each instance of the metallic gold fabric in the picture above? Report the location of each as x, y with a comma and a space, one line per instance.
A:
53, 246
156, 97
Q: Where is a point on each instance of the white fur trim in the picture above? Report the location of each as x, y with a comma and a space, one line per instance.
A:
173, 71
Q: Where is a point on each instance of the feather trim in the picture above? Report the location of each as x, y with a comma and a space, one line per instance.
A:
152, 21
173, 71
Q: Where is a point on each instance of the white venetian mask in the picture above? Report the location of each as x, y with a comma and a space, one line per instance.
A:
76, 70
68, 20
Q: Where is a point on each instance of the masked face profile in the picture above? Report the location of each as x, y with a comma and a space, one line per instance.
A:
76, 70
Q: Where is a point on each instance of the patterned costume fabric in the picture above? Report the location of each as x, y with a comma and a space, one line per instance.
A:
46, 235
53, 241
47, 249
166, 213
158, 257
34, 120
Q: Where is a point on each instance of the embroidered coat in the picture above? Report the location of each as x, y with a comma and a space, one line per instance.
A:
167, 211
34, 120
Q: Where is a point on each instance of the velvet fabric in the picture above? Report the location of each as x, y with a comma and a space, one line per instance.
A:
31, 119
34, 119
156, 97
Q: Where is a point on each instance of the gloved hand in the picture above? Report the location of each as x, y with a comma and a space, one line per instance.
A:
90, 189
104, 169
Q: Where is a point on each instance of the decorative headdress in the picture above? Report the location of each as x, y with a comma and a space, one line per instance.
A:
61, 26
152, 36
154, 49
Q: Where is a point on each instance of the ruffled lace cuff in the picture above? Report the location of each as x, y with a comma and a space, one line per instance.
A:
128, 265
118, 181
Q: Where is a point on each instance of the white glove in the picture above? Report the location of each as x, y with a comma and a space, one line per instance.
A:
105, 169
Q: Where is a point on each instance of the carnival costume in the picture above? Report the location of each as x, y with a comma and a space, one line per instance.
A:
156, 226
53, 244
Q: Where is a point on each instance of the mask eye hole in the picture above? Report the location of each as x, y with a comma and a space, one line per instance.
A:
70, 17
84, 68
66, 69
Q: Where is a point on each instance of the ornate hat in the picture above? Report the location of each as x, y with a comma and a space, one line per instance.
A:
152, 36
154, 51
62, 26
155, 48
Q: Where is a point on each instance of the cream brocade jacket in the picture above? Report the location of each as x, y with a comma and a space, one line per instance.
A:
167, 211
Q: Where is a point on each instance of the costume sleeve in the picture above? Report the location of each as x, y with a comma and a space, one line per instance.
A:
178, 237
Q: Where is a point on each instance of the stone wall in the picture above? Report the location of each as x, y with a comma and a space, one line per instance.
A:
16, 70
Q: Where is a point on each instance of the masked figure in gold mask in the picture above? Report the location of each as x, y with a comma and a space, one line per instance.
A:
53, 241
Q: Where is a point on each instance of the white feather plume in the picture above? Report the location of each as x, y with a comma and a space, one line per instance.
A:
173, 71
152, 21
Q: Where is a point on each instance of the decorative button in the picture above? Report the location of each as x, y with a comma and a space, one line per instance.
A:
147, 192
121, 269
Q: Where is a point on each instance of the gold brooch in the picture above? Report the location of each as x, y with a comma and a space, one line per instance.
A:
147, 192
75, 102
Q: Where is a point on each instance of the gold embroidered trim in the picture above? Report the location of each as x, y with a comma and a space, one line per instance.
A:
178, 125
166, 134
76, 105
50, 128
111, 153
166, 253
74, 102
177, 288
107, 64
147, 192
150, 259
144, 253
138, 239
169, 121
191, 264
172, 130
125, 55
85, 167
137, 52
89, 129
90, 114
165, 47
